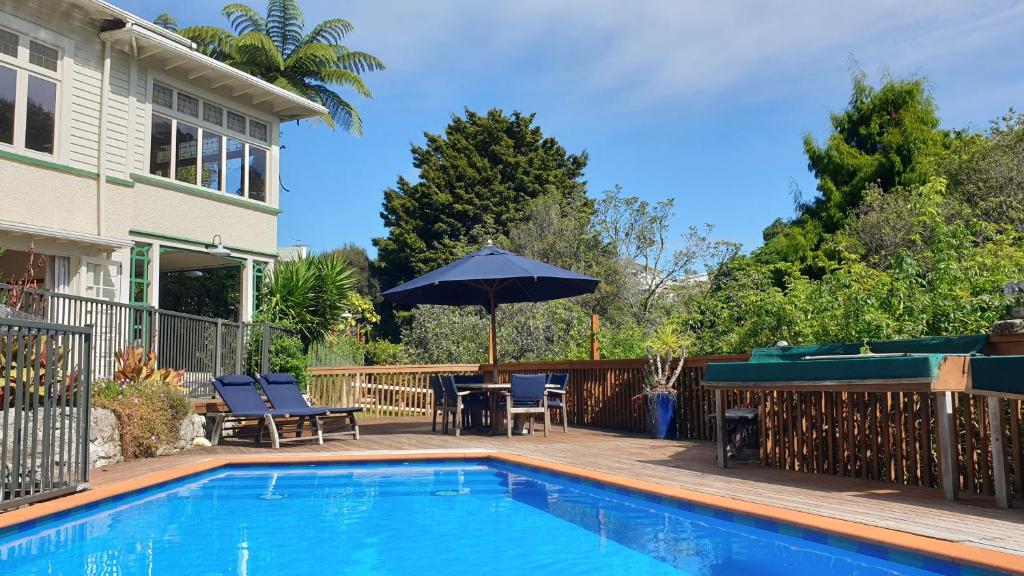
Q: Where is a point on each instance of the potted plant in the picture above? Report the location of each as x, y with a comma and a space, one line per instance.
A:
666, 352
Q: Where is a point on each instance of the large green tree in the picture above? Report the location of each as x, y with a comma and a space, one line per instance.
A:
887, 136
476, 181
275, 46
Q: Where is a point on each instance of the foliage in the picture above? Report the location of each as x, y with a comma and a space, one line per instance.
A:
288, 356
886, 137
362, 312
621, 341
639, 234
276, 47
366, 282
25, 360
167, 22
343, 350
385, 353
212, 292
309, 296
476, 181
666, 354
149, 403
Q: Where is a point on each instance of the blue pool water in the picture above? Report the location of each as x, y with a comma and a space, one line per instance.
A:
423, 518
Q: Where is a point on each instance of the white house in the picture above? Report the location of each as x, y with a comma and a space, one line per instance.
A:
126, 155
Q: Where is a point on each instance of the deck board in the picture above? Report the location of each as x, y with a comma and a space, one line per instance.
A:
687, 464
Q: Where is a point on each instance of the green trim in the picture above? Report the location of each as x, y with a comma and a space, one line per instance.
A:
120, 181
158, 236
203, 193
58, 167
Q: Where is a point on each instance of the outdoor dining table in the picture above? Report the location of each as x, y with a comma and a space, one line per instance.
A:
492, 389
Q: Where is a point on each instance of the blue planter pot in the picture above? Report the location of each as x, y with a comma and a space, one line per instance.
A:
661, 415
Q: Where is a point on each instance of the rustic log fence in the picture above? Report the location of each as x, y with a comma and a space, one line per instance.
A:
888, 437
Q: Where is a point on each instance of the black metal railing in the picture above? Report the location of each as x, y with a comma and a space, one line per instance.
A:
45, 373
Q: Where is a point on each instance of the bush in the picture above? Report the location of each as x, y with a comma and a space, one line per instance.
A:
383, 352
286, 355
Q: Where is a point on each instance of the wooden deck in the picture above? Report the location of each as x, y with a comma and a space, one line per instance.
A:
686, 464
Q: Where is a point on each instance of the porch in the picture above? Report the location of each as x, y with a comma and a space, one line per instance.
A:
686, 464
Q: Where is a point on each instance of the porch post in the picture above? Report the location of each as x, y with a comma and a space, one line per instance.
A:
947, 442
154, 274
723, 460
998, 436
248, 302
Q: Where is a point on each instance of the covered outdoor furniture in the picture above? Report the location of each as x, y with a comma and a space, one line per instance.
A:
283, 392
928, 365
456, 402
556, 396
527, 395
244, 402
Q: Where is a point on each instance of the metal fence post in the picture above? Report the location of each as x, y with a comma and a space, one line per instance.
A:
265, 350
239, 340
85, 390
217, 347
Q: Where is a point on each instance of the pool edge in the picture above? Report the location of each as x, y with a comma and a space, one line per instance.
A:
934, 547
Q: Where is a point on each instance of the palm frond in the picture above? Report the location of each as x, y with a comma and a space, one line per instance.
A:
309, 59
285, 24
258, 55
359, 62
244, 19
329, 31
341, 112
215, 42
167, 22
340, 77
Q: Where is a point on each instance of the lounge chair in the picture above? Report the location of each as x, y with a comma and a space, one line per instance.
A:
244, 402
283, 392
527, 395
556, 396
455, 402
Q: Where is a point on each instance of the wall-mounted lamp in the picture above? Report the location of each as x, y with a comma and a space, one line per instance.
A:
217, 248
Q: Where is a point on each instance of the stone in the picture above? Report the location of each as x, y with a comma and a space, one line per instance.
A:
191, 428
1005, 327
104, 438
201, 443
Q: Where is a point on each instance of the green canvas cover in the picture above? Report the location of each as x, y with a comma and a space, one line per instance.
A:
937, 345
867, 368
1000, 374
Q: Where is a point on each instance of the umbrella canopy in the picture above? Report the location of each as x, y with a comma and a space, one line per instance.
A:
488, 278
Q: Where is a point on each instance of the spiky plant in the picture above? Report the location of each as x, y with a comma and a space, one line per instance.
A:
309, 295
275, 47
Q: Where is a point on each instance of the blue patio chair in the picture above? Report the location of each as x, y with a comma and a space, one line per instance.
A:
456, 402
527, 395
556, 396
244, 403
475, 396
283, 392
438, 405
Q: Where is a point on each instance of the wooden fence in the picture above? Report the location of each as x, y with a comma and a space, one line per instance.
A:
883, 436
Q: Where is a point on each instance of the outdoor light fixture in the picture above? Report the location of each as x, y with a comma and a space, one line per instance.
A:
217, 248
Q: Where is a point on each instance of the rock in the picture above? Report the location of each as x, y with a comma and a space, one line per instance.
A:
1004, 327
104, 438
1017, 312
192, 428
201, 443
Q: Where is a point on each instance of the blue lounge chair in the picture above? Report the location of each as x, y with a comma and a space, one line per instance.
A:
556, 396
527, 395
284, 394
244, 402
438, 405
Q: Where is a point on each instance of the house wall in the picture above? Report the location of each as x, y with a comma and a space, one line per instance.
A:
60, 190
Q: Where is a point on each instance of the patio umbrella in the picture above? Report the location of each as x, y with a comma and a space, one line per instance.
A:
488, 278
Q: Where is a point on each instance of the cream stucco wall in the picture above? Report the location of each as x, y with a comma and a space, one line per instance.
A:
41, 197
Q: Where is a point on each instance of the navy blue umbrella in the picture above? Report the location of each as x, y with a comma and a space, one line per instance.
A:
488, 278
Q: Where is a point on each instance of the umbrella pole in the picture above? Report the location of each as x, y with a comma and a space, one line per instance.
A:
494, 334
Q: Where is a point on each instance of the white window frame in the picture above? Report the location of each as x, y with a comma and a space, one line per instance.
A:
23, 69
223, 131
112, 266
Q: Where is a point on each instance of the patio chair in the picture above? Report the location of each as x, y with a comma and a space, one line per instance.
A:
456, 402
244, 402
438, 406
284, 394
527, 395
556, 396
475, 396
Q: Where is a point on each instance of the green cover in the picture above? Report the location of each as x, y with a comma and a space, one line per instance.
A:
867, 368
937, 345
1002, 374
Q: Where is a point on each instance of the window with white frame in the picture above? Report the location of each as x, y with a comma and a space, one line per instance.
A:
101, 279
29, 81
202, 143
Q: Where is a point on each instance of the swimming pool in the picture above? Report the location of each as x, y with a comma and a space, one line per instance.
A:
415, 518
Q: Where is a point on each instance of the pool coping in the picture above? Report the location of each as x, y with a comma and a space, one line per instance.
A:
934, 547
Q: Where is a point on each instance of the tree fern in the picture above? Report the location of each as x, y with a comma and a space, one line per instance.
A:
276, 48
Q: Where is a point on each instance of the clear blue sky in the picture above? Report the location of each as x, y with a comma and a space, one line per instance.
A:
705, 102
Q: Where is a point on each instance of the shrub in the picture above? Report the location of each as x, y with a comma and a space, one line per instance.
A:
383, 352
286, 355
149, 403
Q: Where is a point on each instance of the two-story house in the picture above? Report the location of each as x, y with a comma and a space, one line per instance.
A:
126, 155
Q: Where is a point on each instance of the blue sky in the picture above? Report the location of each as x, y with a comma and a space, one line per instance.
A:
702, 101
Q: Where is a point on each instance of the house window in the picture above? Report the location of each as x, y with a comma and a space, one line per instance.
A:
101, 279
192, 151
28, 93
